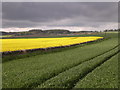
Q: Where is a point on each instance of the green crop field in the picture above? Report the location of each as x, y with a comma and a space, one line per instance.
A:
105, 76
85, 66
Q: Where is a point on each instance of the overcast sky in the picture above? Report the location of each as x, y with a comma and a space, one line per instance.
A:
18, 16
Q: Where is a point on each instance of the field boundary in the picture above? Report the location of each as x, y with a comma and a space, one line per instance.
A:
24, 54
44, 49
35, 84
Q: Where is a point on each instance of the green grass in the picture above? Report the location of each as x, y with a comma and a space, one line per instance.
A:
5, 36
68, 78
32, 71
82, 35
105, 76
113, 32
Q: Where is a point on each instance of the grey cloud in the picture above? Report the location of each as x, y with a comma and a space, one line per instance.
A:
31, 14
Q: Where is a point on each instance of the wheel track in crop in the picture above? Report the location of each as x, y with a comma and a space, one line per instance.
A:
72, 84
35, 84
74, 77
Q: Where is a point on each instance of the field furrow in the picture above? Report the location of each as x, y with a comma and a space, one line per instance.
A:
105, 76
32, 71
35, 84
70, 77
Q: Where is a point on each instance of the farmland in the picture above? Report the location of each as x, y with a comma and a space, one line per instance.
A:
20, 44
87, 66
105, 76
5, 36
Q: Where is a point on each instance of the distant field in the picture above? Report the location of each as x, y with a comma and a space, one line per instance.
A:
50, 35
113, 32
66, 69
5, 36
34, 43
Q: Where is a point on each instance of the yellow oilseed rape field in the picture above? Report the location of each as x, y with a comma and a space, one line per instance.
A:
35, 43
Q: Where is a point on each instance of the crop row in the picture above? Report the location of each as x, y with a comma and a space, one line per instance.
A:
69, 78
105, 76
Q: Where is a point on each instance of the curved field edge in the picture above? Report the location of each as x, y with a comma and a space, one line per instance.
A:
42, 44
69, 78
11, 45
105, 76
37, 69
21, 54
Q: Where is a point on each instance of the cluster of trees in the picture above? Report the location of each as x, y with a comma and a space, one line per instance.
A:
111, 30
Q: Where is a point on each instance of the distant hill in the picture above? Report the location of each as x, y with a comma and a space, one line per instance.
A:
3, 33
37, 31
51, 32
57, 31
